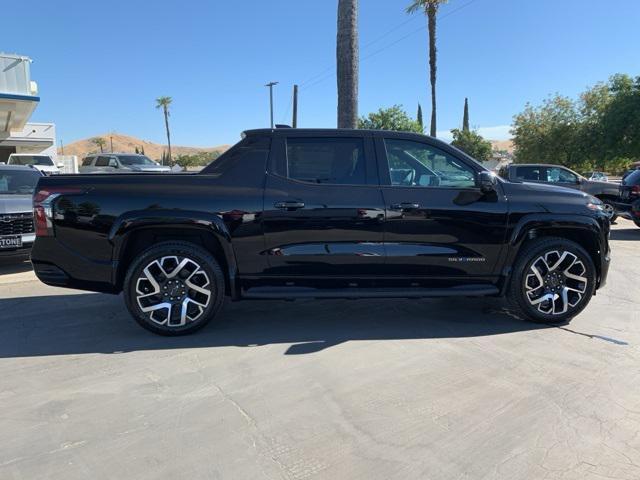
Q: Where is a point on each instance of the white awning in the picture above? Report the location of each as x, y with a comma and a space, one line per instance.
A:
15, 111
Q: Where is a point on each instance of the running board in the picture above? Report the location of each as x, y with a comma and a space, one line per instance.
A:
290, 293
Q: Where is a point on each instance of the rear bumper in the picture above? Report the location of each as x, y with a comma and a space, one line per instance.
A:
56, 265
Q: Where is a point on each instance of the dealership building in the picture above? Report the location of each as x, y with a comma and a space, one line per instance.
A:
18, 99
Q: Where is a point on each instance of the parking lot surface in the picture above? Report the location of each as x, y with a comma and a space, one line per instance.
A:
389, 389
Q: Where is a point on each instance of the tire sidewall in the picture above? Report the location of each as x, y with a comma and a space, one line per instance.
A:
182, 249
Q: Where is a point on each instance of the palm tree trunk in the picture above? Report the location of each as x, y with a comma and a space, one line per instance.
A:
166, 124
432, 10
347, 63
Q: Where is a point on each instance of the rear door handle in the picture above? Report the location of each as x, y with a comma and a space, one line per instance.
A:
405, 206
290, 205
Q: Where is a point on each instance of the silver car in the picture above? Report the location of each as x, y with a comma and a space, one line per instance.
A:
17, 232
120, 163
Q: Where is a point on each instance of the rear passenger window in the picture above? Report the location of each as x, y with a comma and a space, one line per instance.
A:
102, 162
87, 162
529, 173
326, 160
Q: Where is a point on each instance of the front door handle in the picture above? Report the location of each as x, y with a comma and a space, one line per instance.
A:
289, 205
405, 206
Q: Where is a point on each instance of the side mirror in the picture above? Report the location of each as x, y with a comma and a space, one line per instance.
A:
487, 182
113, 163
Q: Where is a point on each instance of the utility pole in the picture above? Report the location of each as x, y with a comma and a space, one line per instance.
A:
111, 142
271, 85
62, 146
294, 123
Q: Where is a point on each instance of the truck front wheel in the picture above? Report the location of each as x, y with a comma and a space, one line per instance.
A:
553, 280
174, 288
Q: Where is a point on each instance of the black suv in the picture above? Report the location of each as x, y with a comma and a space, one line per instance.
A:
300, 213
564, 177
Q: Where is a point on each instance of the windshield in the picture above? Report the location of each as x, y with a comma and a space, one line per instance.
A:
135, 160
22, 182
30, 160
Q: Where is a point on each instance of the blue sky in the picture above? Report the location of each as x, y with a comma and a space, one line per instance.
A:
100, 65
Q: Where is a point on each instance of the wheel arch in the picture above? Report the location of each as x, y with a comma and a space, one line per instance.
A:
583, 230
133, 234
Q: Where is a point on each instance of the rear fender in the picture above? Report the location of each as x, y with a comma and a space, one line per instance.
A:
161, 218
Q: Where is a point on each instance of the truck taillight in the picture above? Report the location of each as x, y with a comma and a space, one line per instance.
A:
43, 207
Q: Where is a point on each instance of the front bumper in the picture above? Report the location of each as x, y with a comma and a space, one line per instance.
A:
24, 251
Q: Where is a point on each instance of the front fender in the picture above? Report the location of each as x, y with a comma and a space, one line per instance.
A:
142, 219
529, 225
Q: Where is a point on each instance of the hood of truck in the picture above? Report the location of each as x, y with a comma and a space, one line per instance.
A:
149, 168
15, 203
537, 197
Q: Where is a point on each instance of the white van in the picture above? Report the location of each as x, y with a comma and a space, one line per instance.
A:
44, 163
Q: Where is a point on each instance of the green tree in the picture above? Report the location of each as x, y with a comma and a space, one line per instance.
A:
199, 159
163, 103
430, 9
419, 117
472, 143
99, 142
393, 118
465, 116
550, 133
600, 130
347, 63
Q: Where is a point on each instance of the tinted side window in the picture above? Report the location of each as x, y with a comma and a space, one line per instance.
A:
423, 165
326, 160
529, 173
87, 161
102, 162
243, 164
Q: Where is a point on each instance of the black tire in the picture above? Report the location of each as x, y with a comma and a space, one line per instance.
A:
610, 204
200, 266
529, 256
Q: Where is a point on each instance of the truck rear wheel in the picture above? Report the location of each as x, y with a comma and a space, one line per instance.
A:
552, 281
174, 288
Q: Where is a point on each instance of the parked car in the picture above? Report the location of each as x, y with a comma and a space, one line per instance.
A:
630, 195
120, 163
17, 184
44, 163
629, 172
303, 213
634, 211
564, 177
596, 176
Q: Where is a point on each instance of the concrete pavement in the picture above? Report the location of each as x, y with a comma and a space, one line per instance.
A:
394, 389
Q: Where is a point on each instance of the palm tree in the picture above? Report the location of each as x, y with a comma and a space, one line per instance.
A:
430, 8
465, 116
100, 142
347, 63
164, 102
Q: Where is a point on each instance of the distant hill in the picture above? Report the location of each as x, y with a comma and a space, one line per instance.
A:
503, 145
127, 144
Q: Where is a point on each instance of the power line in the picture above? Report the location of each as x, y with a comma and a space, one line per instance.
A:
325, 76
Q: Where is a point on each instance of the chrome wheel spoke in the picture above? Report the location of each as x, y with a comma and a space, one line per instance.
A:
173, 291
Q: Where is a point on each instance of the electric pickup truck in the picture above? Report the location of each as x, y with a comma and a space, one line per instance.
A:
320, 213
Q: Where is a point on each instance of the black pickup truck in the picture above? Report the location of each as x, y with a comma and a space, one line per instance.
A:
301, 213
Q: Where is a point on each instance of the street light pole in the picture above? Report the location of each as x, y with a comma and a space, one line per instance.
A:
271, 85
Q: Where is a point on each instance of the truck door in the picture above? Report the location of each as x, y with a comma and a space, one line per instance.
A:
323, 209
439, 224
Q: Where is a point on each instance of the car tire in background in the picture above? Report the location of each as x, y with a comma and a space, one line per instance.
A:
174, 288
553, 280
610, 210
